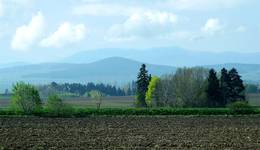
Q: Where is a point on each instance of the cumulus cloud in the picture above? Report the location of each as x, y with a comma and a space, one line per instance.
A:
65, 34
204, 4
212, 26
26, 35
145, 24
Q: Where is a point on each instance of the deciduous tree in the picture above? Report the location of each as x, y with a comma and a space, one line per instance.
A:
152, 94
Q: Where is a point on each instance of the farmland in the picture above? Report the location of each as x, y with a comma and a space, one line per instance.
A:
115, 101
100, 132
107, 102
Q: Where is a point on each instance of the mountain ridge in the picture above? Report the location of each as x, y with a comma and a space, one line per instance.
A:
171, 56
116, 70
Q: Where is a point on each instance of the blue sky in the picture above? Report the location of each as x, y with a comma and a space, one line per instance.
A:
48, 30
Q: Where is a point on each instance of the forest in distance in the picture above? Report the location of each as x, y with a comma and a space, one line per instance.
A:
186, 88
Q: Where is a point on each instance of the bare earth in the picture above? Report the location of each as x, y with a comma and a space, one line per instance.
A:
162, 132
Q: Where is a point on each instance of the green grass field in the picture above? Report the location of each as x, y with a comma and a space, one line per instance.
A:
107, 102
254, 99
114, 101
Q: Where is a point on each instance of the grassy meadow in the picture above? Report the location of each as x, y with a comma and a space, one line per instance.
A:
112, 101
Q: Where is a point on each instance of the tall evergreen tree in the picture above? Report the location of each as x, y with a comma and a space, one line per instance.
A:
142, 86
237, 87
213, 89
224, 86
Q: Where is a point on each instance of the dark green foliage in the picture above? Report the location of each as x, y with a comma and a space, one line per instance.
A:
85, 112
231, 85
142, 86
237, 89
213, 90
224, 86
241, 107
25, 98
77, 89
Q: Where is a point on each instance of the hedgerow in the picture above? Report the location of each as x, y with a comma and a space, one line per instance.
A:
84, 112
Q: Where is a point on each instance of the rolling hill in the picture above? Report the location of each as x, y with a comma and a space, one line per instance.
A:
172, 56
114, 70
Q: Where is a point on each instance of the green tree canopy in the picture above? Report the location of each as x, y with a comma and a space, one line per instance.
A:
224, 86
54, 103
237, 88
213, 90
25, 98
152, 95
142, 86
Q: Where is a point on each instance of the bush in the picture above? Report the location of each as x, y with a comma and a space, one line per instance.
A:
241, 107
25, 98
56, 107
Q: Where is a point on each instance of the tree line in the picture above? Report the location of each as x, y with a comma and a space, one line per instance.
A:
190, 87
78, 89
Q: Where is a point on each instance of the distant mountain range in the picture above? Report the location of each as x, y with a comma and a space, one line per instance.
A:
172, 56
114, 70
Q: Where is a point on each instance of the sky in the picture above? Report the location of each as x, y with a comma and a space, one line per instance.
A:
48, 30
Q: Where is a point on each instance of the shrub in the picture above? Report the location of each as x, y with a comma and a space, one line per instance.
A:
25, 98
241, 107
54, 103
56, 107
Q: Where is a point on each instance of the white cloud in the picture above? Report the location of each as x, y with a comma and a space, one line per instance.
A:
241, 29
204, 4
26, 35
145, 24
212, 26
65, 34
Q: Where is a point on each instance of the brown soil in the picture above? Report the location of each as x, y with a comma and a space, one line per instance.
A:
168, 132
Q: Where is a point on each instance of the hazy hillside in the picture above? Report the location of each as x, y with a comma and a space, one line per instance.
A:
249, 72
115, 70
172, 56
110, 70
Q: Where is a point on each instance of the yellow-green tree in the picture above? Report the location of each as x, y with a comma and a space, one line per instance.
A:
152, 96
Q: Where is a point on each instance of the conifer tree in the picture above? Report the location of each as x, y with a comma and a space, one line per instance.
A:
142, 86
237, 87
224, 86
213, 89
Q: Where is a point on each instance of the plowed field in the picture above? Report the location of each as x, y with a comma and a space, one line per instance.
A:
161, 132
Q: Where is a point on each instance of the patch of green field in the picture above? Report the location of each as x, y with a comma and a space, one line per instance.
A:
254, 99
107, 102
113, 101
